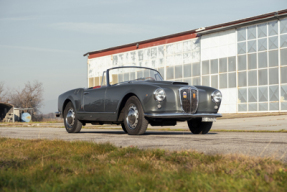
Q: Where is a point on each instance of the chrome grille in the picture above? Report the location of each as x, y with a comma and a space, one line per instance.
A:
188, 102
185, 100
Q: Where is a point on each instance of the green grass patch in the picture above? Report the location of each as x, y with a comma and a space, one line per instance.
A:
43, 165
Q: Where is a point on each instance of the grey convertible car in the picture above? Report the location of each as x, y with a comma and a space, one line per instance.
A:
137, 96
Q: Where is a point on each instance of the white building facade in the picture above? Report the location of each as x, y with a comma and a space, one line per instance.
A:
247, 62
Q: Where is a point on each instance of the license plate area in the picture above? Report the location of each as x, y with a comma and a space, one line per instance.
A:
208, 119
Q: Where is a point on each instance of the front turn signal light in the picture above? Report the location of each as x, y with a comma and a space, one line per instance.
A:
193, 95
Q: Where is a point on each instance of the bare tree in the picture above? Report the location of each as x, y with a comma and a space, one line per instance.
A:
31, 96
3, 93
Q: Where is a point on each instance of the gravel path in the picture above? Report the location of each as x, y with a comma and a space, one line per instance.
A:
247, 143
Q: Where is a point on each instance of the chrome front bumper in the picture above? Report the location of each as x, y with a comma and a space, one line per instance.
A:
181, 115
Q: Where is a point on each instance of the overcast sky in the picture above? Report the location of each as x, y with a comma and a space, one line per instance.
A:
45, 40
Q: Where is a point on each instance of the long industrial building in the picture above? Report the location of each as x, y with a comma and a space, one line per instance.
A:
246, 59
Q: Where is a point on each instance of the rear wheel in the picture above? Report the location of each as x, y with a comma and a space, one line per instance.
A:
134, 120
72, 124
196, 126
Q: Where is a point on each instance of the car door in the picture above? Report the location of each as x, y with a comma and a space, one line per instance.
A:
114, 95
94, 99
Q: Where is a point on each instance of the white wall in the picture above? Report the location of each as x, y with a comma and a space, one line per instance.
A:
218, 45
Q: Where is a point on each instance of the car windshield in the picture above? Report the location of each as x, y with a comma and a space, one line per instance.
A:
128, 74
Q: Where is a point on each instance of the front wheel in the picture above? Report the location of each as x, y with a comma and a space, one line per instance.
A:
72, 124
123, 127
134, 120
196, 126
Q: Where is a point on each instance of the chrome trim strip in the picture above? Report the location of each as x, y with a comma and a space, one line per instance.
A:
181, 115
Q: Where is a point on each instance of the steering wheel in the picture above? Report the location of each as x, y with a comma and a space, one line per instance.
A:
153, 79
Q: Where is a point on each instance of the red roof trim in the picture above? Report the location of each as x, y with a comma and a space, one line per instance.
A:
142, 45
176, 37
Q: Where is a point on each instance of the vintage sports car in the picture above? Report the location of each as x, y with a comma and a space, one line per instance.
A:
137, 96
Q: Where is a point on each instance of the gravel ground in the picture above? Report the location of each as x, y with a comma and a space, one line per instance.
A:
248, 143
272, 145
261, 123
265, 123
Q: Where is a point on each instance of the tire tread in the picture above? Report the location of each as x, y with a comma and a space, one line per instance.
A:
143, 122
77, 125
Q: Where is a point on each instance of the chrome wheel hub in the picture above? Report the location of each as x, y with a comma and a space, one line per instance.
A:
132, 117
70, 118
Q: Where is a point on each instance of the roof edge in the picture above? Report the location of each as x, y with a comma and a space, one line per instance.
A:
144, 41
210, 29
241, 24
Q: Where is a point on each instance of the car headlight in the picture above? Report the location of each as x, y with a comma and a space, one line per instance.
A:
216, 96
159, 94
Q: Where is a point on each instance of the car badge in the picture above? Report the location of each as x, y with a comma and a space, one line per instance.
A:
184, 95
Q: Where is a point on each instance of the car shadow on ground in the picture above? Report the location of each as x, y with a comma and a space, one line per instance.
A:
147, 133
171, 133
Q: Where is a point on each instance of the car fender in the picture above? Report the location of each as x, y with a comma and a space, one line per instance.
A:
146, 98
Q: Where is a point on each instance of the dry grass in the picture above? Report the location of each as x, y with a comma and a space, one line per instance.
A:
31, 124
250, 115
42, 165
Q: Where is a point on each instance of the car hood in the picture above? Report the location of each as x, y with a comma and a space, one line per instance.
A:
162, 83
